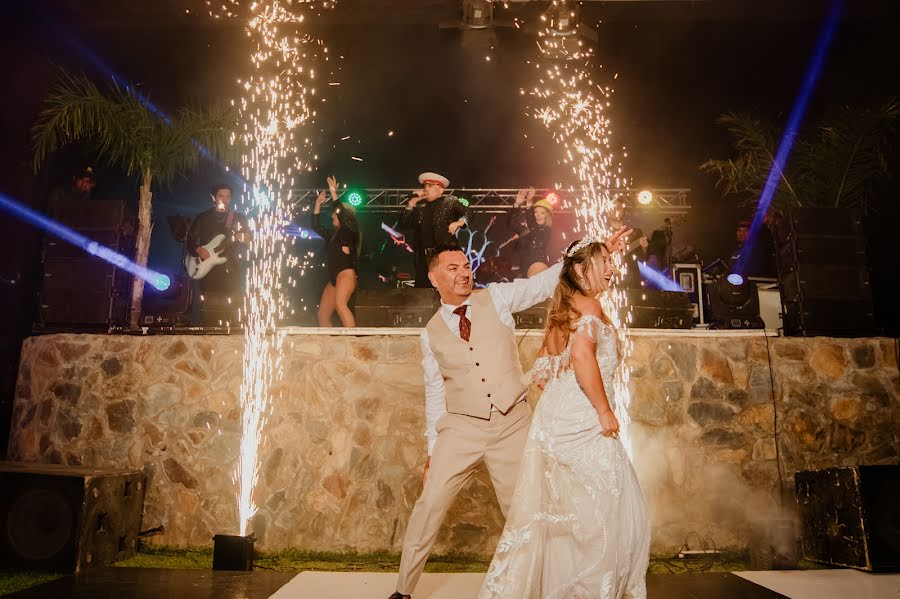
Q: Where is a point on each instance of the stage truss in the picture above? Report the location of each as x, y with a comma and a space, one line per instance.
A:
665, 201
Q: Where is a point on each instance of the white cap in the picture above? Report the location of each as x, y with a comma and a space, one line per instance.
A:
434, 178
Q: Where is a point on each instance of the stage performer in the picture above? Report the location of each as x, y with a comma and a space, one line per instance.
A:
532, 224
220, 290
475, 390
434, 219
578, 524
343, 246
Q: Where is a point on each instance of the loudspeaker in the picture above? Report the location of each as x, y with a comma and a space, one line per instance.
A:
403, 307
851, 516
66, 519
88, 215
822, 270
653, 309
82, 291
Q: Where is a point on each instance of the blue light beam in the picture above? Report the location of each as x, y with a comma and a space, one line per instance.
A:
158, 280
790, 134
658, 279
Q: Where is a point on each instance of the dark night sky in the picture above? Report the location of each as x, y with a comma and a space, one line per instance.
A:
679, 65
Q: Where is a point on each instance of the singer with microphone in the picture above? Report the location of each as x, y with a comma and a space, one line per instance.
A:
433, 218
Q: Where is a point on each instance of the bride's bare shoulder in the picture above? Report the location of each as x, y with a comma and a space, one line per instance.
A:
587, 306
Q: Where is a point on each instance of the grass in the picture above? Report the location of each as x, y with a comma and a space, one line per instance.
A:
296, 560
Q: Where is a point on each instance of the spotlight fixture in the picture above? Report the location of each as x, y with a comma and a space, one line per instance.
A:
734, 304
645, 197
564, 17
463, 201
553, 198
355, 198
478, 14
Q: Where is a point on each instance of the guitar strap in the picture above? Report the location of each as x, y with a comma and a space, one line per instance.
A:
229, 220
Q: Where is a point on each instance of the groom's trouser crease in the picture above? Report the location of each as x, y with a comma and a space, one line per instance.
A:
463, 442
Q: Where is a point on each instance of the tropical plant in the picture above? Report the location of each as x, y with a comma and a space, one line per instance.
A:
130, 133
833, 164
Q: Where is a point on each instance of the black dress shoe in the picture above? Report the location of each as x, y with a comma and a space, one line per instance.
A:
399, 596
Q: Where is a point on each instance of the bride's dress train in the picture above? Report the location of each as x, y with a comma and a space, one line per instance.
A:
578, 524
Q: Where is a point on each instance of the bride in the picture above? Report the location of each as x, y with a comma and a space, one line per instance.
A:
578, 526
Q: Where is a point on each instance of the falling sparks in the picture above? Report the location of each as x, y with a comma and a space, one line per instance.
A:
277, 104
574, 109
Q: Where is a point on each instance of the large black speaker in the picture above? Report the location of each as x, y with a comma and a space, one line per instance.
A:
66, 519
390, 307
822, 270
653, 309
851, 516
82, 291
533, 318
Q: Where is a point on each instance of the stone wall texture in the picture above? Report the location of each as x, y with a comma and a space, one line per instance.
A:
716, 422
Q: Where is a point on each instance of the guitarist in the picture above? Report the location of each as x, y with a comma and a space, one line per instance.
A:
223, 282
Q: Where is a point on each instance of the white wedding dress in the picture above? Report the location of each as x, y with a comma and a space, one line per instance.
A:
578, 526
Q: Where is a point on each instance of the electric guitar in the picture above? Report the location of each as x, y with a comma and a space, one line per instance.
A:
197, 268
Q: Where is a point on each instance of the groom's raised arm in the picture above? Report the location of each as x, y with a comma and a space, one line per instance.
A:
435, 405
522, 294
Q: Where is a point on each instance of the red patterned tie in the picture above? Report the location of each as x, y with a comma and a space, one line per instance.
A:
465, 325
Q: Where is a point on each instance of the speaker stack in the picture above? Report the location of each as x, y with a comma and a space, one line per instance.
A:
79, 289
67, 519
822, 267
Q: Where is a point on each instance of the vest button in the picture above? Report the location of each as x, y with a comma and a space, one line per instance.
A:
483, 381
477, 364
489, 394
471, 349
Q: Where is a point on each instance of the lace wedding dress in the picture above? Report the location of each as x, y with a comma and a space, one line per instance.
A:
578, 526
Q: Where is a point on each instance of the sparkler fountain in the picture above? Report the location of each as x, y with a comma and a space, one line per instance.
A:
276, 105
574, 108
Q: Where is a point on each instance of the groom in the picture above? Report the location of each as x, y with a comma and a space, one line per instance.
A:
475, 407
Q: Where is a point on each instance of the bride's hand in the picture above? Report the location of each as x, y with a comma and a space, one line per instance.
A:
609, 423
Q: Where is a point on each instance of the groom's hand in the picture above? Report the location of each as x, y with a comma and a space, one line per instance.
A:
425, 472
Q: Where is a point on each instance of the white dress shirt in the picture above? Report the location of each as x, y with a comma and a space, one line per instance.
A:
508, 298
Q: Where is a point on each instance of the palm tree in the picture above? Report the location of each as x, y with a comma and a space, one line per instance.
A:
833, 164
131, 134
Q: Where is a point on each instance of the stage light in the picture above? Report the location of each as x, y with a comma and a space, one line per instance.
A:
657, 279
645, 197
478, 14
463, 201
161, 282
564, 18
734, 304
553, 198
355, 198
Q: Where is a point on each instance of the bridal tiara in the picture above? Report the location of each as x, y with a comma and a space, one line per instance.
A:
586, 241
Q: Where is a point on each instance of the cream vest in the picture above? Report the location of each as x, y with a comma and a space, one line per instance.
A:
483, 371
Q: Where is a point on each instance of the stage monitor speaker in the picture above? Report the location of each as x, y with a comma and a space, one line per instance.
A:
653, 309
851, 517
392, 307
78, 291
67, 519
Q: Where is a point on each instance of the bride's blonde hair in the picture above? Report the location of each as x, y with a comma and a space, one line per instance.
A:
562, 314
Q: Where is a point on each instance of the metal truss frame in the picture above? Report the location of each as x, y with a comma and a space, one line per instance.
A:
665, 201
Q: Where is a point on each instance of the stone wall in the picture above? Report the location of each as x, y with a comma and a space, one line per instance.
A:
343, 453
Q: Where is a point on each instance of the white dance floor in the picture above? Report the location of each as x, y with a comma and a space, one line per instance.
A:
827, 584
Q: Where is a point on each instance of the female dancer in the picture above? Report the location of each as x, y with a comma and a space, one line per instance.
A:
343, 244
578, 525
532, 224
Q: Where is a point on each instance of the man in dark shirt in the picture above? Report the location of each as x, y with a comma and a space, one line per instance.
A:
80, 188
220, 290
434, 219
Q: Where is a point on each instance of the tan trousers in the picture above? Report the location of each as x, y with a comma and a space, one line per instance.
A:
462, 443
